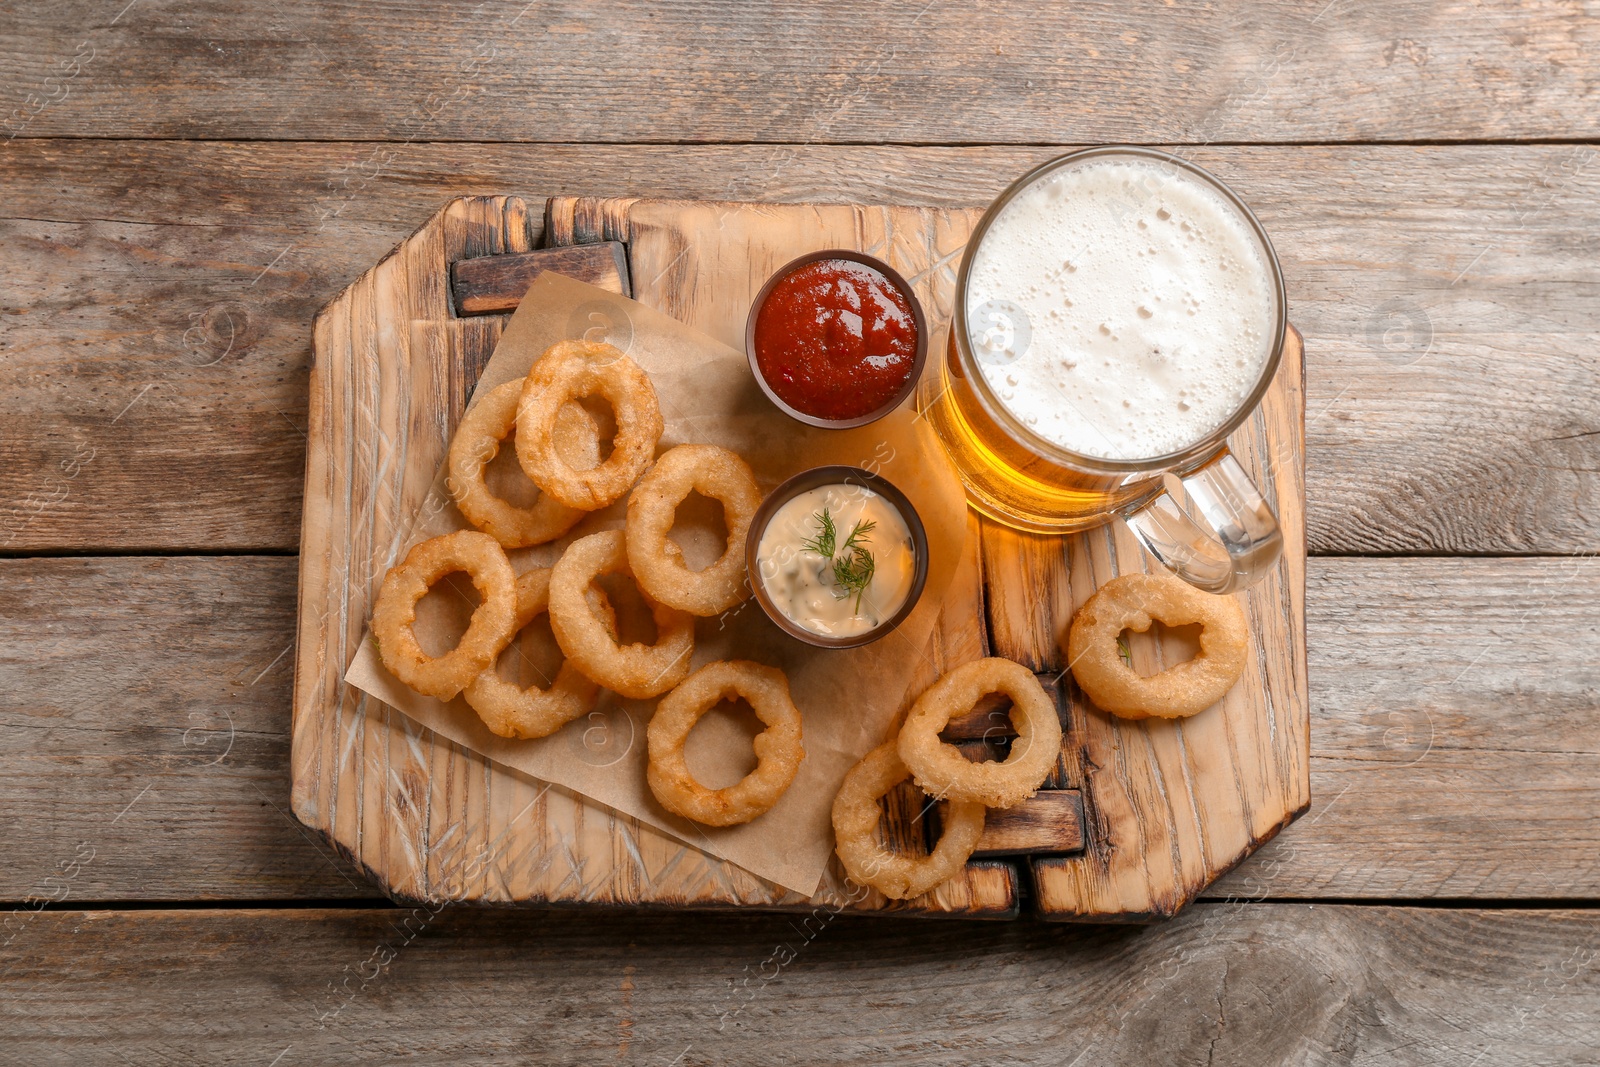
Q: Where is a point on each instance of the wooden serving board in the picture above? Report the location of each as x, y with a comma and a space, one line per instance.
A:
1138, 817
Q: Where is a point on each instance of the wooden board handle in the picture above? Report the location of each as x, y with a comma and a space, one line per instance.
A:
1049, 823
488, 285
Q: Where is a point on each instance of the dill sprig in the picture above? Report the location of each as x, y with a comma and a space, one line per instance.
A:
854, 569
823, 543
852, 562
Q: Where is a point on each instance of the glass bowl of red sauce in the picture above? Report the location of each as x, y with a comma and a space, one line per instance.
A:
836, 339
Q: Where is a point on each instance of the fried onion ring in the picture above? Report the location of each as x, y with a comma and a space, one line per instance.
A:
652, 508
1131, 602
483, 429
942, 771
635, 670
778, 748
490, 630
856, 815
566, 372
509, 710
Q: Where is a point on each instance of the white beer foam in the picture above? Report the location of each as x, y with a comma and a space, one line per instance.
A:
1146, 308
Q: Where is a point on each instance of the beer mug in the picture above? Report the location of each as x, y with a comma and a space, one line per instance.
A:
1118, 312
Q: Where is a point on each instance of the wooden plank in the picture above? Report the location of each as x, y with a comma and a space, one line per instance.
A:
227, 250
1049, 821
1454, 721
147, 749
1234, 71
1244, 984
496, 283
1411, 739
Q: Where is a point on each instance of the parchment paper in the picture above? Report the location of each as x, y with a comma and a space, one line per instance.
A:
847, 697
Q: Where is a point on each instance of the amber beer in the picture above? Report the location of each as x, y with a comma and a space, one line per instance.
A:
1005, 478
1118, 313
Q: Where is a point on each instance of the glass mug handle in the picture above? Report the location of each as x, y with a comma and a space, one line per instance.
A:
1232, 541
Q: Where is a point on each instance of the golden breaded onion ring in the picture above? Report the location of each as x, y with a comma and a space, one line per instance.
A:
652, 508
778, 748
509, 710
483, 429
491, 628
634, 670
568, 371
1132, 602
942, 771
856, 815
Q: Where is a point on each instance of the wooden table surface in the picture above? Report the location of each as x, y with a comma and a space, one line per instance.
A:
186, 184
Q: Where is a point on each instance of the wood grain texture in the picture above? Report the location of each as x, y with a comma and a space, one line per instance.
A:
146, 749
1410, 746
497, 283
1049, 821
1416, 274
1468, 689
1263, 985
904, 71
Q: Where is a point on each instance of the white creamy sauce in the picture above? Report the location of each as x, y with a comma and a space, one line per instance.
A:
801, 582
1147, 308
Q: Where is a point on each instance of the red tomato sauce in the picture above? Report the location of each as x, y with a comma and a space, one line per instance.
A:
835, 339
